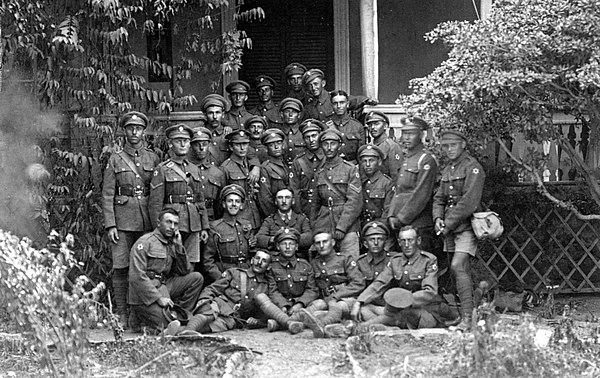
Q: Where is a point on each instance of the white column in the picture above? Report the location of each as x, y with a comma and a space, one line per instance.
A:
370, 47
485, 8
341, 36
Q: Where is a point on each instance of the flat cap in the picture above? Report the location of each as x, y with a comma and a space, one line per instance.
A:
238, 136
134, 118
255, 119
238, 86
312, 124
180, 130
233, 189
330, 134
370, 150
264, 80
397, 299
413, 123
312, 74
376, 116
272, 135
291, 103
213, 100
201, 133
375, 228
294, 69
286, 233
452, 135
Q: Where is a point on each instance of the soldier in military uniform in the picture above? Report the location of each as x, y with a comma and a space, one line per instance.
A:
377, 188
415, 271
176, 184
294, 141
339, 282
266, 107
256, 125
293, 74
274, 172
160, 275
378, 123
283, 218
125, 192
231, 240
353, 132
457, 198
237, 116
237, 171
338, 201
412, 200
305, 166
211, 177
214, 105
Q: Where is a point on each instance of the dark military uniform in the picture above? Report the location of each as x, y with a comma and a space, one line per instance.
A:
319, 108
274, 176
227, 245
178, 186
337, 276
236, 172
392, 162
158, 268
274, 223
295, 281
371, 266
213, 180
302, 178
270, 111
353, 136
378, 191
125, 198
219, 149
294, 142
236, 119
256, 150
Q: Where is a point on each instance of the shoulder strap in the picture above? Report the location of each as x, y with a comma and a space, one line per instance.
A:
243, 284
178, 170
123, 155
421, 160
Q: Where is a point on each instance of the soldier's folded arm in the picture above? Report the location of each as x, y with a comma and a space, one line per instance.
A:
157, 196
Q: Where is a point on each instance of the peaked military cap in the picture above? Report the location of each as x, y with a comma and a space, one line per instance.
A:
180, 130
213, 100
264, 80
370, 150
201, 133
312, 74
255, 119
375, 228
292, 103
286, 233
330, 134
238, 86
233, 189
452, 135
134, 118
312, 124
413, 123
238, 136
397, 299
376, 116
272, 135
295, 69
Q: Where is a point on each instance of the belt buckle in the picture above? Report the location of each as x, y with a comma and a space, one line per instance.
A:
138, 191
330, 202
241, 260
189, 198
236, 307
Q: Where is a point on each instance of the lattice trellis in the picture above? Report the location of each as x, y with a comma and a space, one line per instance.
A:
541, 247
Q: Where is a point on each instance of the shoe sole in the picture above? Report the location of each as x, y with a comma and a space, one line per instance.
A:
314, 324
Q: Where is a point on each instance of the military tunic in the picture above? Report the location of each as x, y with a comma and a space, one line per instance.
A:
256, 150
227, 245
392, 151
459, 194
213, 180
274, 176
295, 281
301, 95
293, 144
219, 149
236, 118
270, 111
353, 134
337, 276
377, 191
338, 200
371, 267
274, 223
319, 108
302, 178
236, 172
412, 200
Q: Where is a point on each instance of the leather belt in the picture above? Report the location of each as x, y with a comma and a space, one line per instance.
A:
234, 259
182, 198
335, 202
155, 276
130, 191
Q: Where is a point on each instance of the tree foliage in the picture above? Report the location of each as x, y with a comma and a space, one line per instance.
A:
510, 72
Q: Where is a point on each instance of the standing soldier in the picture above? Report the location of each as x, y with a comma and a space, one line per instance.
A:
255, 126
353, 132
237, 116
377, 188
125, 192
176, 184
454, 203
293, 75
274, 172
213, 106
414, 188
266, 107
212, 178
338, 200
294, 141
305, 166
378, 123
231, 239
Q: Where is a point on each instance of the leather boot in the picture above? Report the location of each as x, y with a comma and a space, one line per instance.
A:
195, 325
275, 313
120, 288
317, 325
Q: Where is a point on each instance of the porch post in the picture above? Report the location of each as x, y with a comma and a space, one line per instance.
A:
485, 8
370, 47
341, 36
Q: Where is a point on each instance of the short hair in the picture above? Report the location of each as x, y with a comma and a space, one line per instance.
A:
315, 233
167, 211
409, 228
284, 188
338, 92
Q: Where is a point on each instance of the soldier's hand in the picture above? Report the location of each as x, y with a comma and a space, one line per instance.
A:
371, 101
252, 241
113, 235
439, 226
204, 236
177, 238
338, 235
253, 176
394, 223
165, 302
355, 312
227, 130
295, 308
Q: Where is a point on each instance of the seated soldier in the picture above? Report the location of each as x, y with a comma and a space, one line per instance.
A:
231, 239
339, 282
160, 275
284, 217
413, 270
294, 277
231, 301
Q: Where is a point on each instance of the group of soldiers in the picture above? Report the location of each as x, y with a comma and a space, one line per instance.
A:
283, 216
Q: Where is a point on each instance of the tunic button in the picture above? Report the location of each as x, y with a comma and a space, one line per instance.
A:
451, 187
405, 272
137, 164
324, 272
289, 276
376, 273
291, 285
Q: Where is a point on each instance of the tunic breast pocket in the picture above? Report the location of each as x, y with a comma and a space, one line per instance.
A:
228, 246
377, 194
